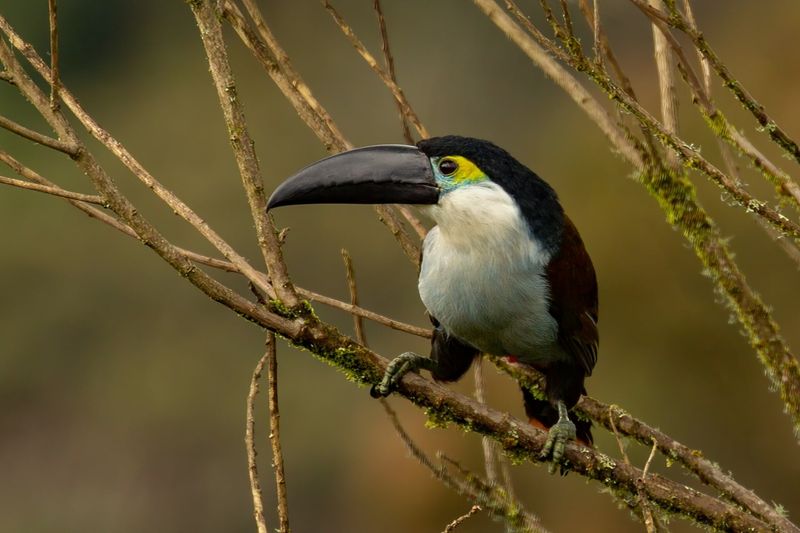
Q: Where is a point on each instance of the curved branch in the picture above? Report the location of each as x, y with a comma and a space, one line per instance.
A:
519, 438
706, 471
677, 198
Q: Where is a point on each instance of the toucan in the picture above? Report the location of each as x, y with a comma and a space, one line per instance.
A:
503, 272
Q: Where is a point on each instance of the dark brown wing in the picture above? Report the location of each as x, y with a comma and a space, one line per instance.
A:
452, 355
573, 298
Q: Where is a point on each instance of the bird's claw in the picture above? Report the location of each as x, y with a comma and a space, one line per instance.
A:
382, 389
562, 432
399, 367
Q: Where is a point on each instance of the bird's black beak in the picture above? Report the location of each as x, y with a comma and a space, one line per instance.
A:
383, 174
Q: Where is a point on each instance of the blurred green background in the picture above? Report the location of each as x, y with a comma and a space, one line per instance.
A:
122, 388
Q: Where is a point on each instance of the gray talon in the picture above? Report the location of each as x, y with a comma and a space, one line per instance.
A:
562, 432
397, 368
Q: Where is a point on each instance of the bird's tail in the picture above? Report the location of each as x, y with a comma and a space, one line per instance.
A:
543, 415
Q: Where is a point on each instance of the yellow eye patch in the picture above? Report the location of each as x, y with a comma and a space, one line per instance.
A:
459, 170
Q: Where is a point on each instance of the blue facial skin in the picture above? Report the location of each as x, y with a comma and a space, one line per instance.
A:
467, 173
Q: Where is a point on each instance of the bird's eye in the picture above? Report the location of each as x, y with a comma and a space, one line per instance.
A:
448, 167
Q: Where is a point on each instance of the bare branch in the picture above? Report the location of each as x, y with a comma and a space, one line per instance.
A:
461, 519
37, 137
410, 248
676, 196
358, 322
489, 450
621, 142
720, 125
243, 148
666, 84
55, 191
415, 223
644, 508
60, 124
55, 82
775, 132
275, 434
650, 522
116, 201
704, 66
250, 445
382, 74
360, 311
388, 59
276, 63
492, 498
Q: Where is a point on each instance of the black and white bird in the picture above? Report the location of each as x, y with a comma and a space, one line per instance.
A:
504, 271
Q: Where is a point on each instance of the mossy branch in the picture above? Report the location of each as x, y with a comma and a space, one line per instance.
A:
676, 196
300, 326
519, 439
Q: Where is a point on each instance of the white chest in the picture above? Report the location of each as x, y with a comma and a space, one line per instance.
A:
482, 274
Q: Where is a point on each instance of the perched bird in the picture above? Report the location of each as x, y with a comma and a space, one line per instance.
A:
503, 272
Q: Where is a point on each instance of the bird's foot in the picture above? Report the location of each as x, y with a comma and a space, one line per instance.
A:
559, 435
399, 367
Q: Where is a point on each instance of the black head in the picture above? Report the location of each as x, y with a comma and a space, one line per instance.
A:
537, 200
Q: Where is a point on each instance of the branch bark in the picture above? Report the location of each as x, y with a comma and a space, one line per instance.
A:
208, 20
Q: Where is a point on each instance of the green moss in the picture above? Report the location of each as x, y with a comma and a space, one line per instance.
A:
437, 419
301, 310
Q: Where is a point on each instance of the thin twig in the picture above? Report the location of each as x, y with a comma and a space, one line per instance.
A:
250, 445
370, 315
489, 449
705, 68
389, 219
787, 187
461, 519
388, 60
621, 142
116, 201
775, 132
408, 111
647, 513
676, 196
55, 82
592, 16
567, 20
412, 219
208, 21
650, 521
55, 191
358, 321
56, 144
275, 433
104, 217
666, 84
547, 43
119, 151
493, 499
276, 63
595, 23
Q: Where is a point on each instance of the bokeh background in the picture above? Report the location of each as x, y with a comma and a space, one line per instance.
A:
122, 388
